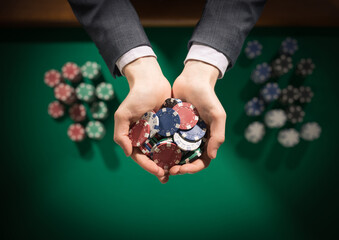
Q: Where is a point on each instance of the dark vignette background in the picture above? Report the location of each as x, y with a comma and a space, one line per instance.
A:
55, 189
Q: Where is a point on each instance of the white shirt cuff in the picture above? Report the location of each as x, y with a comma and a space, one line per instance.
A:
132, 55
208, 55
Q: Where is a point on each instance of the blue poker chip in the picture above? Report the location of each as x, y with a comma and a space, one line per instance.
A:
254, 107
196, 133
270, 92
169, 121
253, 49
289, 46
261, 73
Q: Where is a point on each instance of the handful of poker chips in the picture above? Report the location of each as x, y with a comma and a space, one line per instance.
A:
174, 135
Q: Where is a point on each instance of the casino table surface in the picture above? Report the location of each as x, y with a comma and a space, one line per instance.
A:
57, 189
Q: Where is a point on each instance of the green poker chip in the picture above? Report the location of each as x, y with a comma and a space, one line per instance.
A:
104, 91
95, 130
191, 156
99, 110
91, 70
85, 92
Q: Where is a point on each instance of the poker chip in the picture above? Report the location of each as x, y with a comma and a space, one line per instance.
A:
289, 95
99, 110
166, 155
255, 132
153, 121
295, 114
169, 121
305, 94
145, 150
139, 133
289, 46
171, 102
254, 107
52, 78
305, 67
95, 130
56, 109
104, 91
85, 92
282, 65
261, 73
310, 131
196, 133
190, 156
76, 132
185, 145
188, 114
77, 112
72, 99
270, 92
253, 49
275, 118
288, 137
72, 72
64, 93
91, 70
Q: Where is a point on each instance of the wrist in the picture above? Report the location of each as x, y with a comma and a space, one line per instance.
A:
196, 70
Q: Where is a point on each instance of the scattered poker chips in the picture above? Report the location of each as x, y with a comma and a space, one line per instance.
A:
253, 49
104, 91
310, 131
85, 92
255, 132
76, 132
289, 95
65, 93
95, 130
275, 118
91, 70
282, 65
289, 46
254, 107
52, 78
72, 72
288, 137
305, 94
159, 136
99, 110
261, 73
77, 112
270, 92
295, 114
56, 109
305, 67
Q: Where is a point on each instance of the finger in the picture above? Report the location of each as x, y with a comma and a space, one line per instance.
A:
175, 170
121, 130
195, 166
147, 164
217, 134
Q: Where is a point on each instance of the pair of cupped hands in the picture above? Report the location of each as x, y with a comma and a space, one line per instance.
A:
149, 89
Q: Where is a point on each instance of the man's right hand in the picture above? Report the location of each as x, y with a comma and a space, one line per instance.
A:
148, 90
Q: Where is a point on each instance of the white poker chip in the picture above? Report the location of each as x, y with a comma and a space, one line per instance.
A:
153, 121
185, 145
288, 137
275, 118
255, 132
310, 131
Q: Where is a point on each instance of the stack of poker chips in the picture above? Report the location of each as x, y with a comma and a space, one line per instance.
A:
289, 100
174, 135
79, 90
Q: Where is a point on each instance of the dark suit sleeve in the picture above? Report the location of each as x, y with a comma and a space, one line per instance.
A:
225, 24
113, 25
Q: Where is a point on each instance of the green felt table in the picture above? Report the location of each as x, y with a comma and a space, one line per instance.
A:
56, 189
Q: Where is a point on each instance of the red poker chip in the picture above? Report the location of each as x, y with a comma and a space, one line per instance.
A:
52, 78
188, 114
56, 109
77, 112
166, 155
72, 72
76, 132
139, 133
63, 92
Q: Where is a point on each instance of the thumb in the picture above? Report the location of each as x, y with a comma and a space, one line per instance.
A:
121, 130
